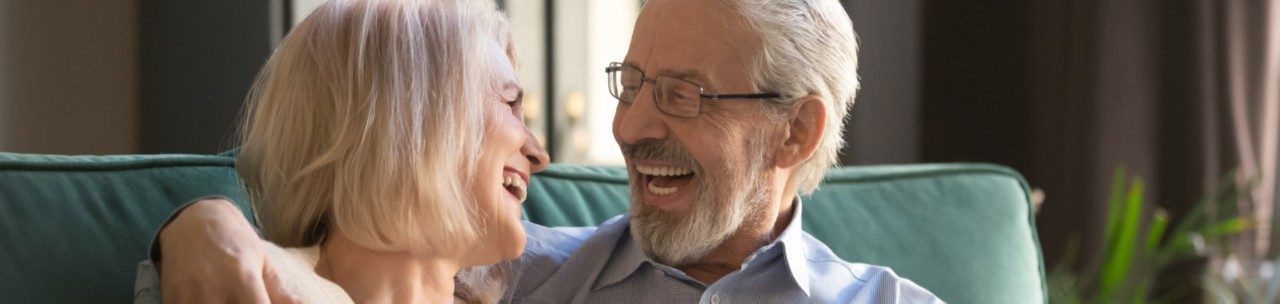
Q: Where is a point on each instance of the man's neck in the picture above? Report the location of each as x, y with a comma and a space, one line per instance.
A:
370, 276
753, 234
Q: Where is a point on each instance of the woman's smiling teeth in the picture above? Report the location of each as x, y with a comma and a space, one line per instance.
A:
664, 180
515, 185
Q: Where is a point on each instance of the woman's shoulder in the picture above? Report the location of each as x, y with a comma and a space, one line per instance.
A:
296, 269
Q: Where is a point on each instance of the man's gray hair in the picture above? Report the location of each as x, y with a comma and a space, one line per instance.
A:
809, 47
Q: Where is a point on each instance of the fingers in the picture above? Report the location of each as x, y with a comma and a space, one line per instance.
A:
244, 283
252, 289
275, 287
251, 284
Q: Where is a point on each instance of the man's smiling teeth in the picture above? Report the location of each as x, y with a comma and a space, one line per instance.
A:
512, 182
662, 171
661, 190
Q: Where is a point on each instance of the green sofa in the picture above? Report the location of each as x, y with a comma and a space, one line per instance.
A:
72, 228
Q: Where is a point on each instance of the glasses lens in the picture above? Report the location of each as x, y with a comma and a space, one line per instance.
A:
678, 97
613, 79
626, 83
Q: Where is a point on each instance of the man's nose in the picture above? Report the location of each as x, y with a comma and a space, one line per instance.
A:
538, 159
642, 119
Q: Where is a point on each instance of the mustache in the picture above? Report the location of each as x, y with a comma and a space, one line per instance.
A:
660, 150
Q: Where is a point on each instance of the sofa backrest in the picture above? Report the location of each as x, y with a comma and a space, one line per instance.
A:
72, 228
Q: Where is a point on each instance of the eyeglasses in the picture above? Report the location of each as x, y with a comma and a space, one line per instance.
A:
674, 96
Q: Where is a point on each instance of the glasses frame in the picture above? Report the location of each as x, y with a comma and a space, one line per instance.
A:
615, 68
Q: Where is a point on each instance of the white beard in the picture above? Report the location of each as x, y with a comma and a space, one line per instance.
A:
679, 239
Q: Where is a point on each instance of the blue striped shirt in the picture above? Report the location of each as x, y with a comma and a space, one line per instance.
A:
585, 265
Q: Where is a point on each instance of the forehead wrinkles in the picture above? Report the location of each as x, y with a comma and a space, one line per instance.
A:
641, 49
709, 36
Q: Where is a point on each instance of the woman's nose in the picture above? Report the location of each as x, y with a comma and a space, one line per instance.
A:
538, 159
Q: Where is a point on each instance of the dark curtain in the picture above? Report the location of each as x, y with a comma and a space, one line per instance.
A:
1236, 65
1178, 92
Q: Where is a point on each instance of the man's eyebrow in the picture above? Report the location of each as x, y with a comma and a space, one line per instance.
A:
684, 73
692, 75
630, 64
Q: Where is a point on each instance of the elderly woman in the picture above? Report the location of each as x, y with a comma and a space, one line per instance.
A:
384, 147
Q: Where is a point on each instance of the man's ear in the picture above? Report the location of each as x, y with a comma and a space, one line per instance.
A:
803, 132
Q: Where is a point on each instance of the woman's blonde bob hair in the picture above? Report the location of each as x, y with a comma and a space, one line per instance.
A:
366, 120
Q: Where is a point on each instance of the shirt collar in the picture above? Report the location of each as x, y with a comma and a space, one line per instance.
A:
627, 257
795, 248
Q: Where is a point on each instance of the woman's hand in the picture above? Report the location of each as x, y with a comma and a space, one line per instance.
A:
211, 254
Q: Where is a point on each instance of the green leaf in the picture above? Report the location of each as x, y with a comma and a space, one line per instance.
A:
1114, 205
1228, 227
1155, 232
1198, 215
1119, 260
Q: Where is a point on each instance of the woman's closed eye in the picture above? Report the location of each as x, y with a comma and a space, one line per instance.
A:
516, 104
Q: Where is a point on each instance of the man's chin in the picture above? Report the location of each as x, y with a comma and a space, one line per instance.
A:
670, 254
668, 239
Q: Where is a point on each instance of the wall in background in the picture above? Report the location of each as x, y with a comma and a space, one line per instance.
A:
198, 60
157, 77
69, 76
885, 122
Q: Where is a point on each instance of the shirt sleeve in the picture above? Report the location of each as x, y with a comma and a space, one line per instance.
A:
146, 287
882, 285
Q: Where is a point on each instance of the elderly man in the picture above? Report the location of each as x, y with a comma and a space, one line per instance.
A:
728, 110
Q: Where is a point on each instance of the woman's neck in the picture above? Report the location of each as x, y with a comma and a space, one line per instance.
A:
370, 276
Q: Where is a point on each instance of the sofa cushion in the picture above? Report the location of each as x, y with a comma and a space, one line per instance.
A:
964, 231
72, 228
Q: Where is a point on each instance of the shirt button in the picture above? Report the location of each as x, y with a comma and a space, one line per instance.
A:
715, 298
658, 272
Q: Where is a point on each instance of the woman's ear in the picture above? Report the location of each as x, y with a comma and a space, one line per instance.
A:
803, 132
